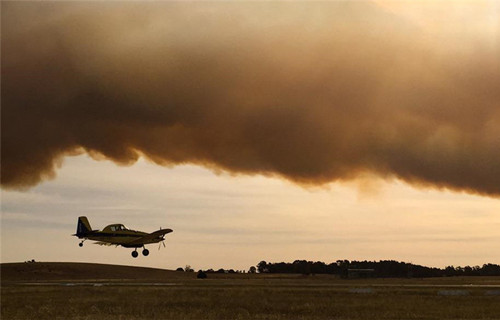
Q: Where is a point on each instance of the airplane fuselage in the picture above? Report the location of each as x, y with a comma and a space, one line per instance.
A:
126, 238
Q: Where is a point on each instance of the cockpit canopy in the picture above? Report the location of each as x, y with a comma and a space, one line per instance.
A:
115, 227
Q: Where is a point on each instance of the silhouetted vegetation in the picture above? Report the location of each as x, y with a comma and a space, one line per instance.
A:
222, 271
378, 269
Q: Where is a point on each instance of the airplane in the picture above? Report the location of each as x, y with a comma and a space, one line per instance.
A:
119, 235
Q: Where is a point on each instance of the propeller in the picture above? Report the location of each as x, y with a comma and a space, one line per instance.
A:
161, 242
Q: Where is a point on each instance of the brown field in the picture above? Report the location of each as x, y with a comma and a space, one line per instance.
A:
92, 291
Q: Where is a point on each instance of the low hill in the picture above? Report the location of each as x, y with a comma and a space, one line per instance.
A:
54, 271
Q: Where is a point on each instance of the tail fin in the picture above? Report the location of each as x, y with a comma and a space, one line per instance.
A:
83, 227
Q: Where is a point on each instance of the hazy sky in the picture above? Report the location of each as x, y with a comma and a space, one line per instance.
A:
234, 222
256, 130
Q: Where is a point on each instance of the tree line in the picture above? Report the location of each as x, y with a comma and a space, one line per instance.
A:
378, 269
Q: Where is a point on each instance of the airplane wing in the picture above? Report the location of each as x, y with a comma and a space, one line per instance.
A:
153, 237
160, 233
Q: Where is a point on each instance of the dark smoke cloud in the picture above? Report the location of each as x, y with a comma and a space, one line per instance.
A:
312, 92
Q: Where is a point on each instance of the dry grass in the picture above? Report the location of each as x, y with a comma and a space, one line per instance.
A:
212, 300
27, 294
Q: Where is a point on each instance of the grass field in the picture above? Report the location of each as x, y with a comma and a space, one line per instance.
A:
182, 296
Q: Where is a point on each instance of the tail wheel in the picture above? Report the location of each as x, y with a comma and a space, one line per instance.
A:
81, 244
145, 252
135, 254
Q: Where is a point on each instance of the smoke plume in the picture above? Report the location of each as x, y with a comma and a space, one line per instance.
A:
311, 92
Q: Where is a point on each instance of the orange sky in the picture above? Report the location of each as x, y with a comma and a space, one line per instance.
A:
235, 222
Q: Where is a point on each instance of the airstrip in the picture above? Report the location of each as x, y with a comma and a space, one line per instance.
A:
90, 291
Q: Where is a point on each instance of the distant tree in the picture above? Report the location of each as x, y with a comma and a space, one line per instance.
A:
468, 271
201, 275
188, 268
262, 267
342, 263
319, 267
381, 269
449, 271
221, 271
490, 270
180, 269
252, 269
300, 266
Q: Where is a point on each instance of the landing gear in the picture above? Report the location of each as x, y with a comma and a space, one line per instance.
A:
81, 243
145, 252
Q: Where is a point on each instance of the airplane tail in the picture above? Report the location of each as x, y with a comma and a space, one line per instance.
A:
83, 227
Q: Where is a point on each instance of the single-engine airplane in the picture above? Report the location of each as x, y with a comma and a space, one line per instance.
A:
119, 235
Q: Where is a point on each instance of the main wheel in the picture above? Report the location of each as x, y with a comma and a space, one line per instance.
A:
135, 254
81, 244
145, 252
